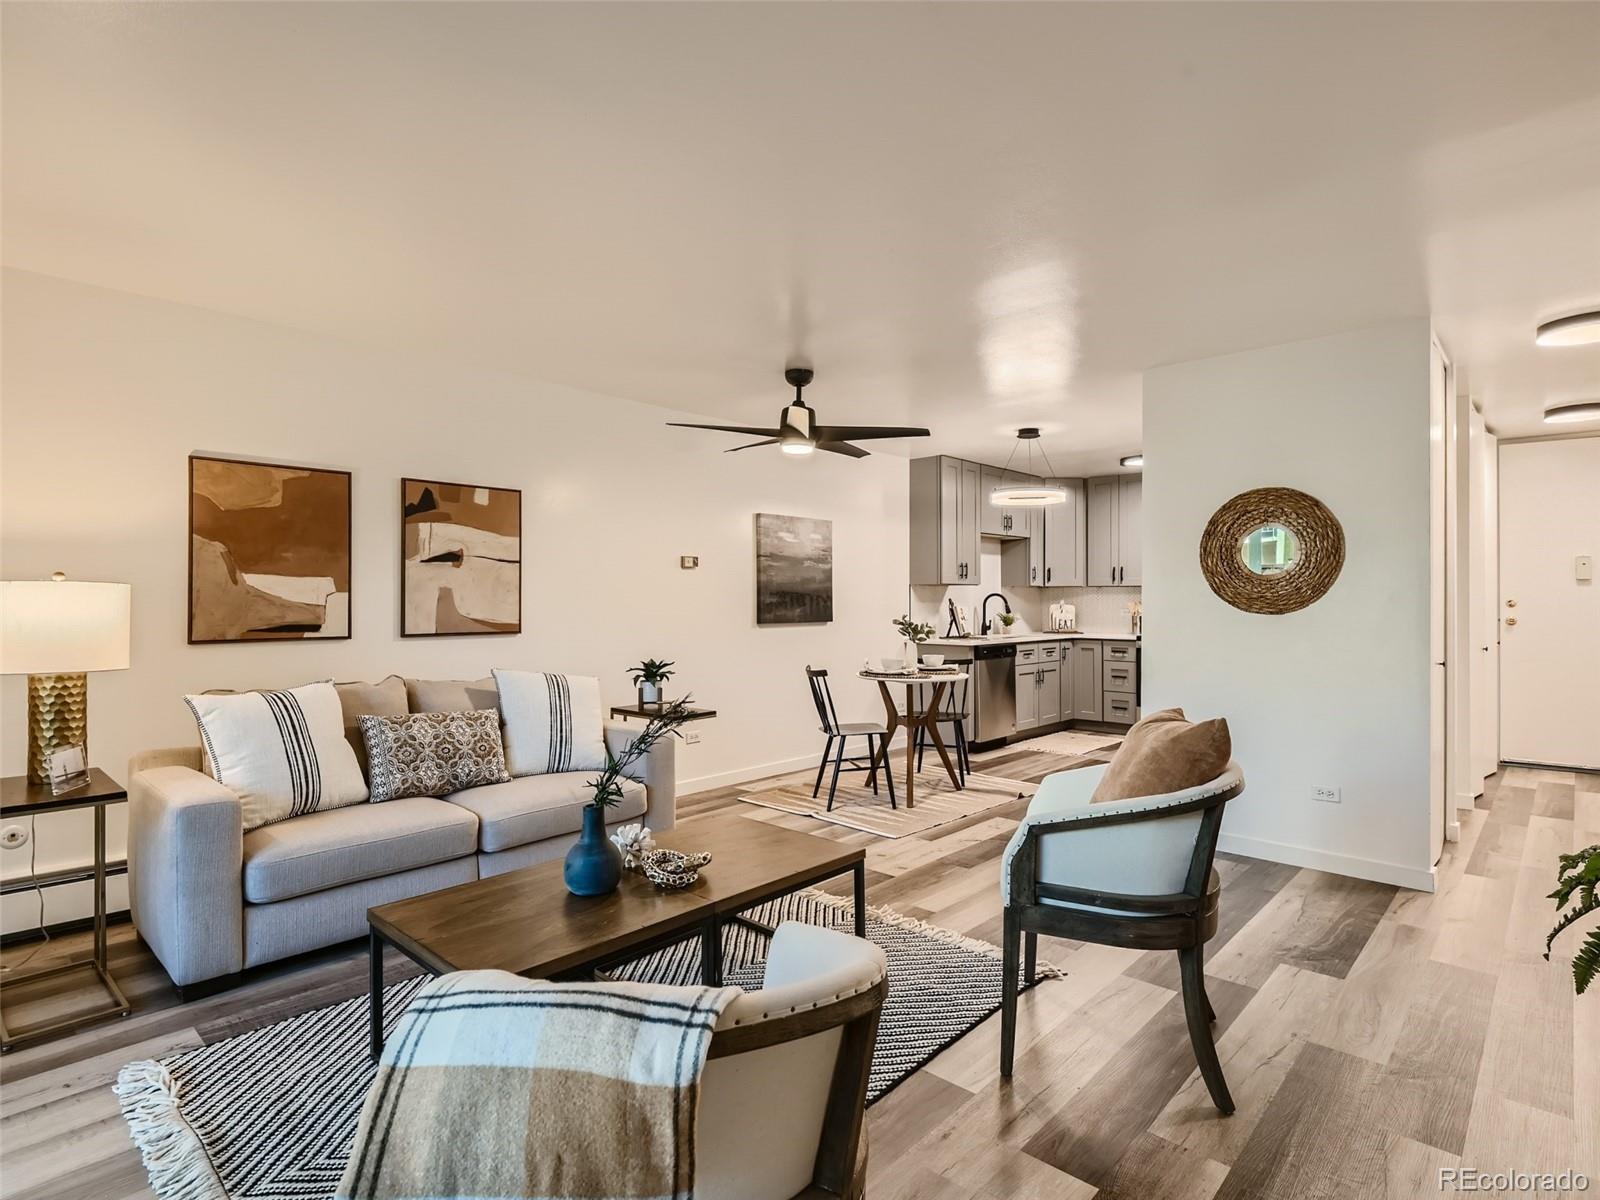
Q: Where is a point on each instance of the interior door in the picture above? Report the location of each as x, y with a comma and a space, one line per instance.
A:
1550, 616
1484, 643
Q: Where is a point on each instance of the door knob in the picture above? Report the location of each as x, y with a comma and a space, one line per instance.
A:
1511, 603
1511, 620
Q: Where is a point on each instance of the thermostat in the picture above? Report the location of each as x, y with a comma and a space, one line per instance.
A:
688, 561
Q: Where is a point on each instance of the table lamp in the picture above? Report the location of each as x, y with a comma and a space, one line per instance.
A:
53, 631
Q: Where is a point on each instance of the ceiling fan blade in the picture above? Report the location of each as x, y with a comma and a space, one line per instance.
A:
863, 433
842, 448
752, 431
751, 445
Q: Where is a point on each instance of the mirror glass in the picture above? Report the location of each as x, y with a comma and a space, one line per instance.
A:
1269, 549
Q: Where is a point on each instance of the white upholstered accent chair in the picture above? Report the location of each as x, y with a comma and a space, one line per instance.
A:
785, 1082
1134, 873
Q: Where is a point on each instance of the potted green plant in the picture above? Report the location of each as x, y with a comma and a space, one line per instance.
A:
1579, 873
1007, 620
648, 677
914, 632
593, 865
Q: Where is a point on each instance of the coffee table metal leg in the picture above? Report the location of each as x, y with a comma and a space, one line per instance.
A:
859, 878
375, 1000
711, 953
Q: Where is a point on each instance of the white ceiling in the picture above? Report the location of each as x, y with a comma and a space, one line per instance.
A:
967, 216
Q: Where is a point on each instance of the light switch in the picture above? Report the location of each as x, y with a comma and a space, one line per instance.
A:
688, 562
1583, 567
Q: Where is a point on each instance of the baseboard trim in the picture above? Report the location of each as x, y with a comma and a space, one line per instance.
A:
704, 783
1417, 878
117, 916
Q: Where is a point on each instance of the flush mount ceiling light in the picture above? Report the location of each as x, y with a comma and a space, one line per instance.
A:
798, 431
1027, 493
1576, 410
1133, 460
1577, 330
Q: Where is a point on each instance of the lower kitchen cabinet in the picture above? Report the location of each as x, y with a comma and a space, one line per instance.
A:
1087, 681
1050, 695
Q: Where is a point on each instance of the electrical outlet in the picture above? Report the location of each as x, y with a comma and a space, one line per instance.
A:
13, 837
691, 737
1328, 795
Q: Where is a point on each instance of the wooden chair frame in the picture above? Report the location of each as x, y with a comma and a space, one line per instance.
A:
1183, 921
841, 1166
877, 743
952, 712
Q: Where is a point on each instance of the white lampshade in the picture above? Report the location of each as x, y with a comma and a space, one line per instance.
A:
62, 627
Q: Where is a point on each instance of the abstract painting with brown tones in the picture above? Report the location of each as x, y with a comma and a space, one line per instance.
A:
461, 569
269, 552
794, 570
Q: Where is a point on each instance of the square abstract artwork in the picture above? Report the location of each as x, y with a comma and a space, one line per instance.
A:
269, 552
794, 570
461, 569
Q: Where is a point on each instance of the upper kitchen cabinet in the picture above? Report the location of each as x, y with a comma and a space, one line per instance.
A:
1113, 525
946, 498
1061, 560
993, 519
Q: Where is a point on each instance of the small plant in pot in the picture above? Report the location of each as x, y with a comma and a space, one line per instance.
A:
593, 865
648, 677
914, 632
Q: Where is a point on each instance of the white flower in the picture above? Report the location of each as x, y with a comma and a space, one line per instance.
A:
633, 841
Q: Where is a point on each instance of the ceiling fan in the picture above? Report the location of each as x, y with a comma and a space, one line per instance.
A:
799, 433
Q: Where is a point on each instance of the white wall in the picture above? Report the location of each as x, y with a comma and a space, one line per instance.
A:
106, 394
1336, 694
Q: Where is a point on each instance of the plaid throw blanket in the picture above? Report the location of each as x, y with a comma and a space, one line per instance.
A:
496, 1086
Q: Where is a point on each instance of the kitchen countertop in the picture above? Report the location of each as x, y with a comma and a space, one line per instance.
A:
1019, 638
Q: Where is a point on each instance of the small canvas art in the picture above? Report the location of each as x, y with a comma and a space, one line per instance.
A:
461, 569
794, 570
269, 552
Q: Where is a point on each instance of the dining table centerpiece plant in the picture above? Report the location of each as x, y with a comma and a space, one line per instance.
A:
648, 677
593, 866
1579, 874
914, 632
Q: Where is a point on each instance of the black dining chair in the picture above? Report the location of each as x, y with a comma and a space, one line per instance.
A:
840, 733
952, 712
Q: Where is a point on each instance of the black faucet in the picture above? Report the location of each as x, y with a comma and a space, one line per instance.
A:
985, 616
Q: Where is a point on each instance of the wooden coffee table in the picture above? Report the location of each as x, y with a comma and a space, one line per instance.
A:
526, 921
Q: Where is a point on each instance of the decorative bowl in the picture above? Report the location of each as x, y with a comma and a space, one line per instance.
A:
672, 869
893, 664
933, 660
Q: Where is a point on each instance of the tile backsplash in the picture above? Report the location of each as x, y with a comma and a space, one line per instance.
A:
1100, 609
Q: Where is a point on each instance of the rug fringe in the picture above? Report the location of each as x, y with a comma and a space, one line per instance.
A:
174, 1157
938, 933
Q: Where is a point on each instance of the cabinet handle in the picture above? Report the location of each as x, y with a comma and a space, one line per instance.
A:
1047, 574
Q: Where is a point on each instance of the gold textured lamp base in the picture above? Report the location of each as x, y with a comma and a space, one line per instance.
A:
58, 715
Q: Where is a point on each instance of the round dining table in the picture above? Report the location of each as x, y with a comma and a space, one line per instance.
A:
927, 719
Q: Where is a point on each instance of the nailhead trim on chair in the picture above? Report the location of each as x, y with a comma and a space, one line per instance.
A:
835, 998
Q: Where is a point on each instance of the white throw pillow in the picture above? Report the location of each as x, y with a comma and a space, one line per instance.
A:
552, 722
283, 753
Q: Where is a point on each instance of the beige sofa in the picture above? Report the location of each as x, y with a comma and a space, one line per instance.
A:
212, 900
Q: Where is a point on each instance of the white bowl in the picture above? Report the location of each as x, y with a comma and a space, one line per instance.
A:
893, 664
933, 660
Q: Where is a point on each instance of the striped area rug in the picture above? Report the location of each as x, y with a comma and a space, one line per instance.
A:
270, 1115
855, 806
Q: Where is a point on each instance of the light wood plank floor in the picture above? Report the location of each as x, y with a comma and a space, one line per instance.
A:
1370, 1036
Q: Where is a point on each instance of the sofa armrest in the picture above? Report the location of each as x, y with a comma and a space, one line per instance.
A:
185, 856
657, 770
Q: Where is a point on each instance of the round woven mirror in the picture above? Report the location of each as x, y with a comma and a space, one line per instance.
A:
1272, 550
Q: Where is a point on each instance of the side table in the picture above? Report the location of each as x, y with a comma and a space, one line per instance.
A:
19, 798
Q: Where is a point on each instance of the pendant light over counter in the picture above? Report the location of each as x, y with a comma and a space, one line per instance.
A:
1027, 493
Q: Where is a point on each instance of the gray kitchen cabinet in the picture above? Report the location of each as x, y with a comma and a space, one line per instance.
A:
1120, 676
1063, 541
1114, 531
1121, 708
945, 494
1036, 545
1049, 692
1027, 698
1064, 675
995, 520
1087, 683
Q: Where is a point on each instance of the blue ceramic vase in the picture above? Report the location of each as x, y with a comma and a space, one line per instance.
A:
593, 866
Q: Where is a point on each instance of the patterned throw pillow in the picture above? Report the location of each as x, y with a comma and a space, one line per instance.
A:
283, 753
553, 722
433, 754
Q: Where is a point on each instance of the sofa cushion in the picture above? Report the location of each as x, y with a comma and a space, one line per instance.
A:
533, 807
1164, 753
553, 723
327, 849
433, 754
452, 695
386, 698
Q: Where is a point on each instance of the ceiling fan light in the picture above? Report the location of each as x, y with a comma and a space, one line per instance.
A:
796, 446
1569, 414
1579, 329
1027, 495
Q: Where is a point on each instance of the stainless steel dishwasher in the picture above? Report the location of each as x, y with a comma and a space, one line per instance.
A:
994, 692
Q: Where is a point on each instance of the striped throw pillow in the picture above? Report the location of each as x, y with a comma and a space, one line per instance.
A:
552, 722
283, 753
